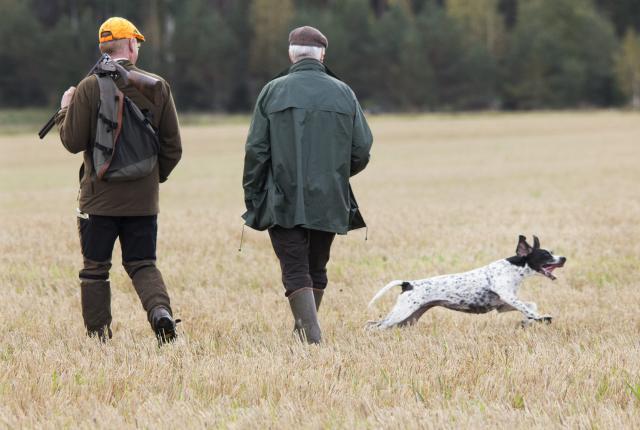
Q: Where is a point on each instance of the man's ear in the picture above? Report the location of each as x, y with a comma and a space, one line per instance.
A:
523, 249
536, 242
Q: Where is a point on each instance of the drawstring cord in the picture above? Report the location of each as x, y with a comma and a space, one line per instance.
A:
366, 233
241, 238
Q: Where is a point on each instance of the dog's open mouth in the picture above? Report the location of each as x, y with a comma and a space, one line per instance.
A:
547, 269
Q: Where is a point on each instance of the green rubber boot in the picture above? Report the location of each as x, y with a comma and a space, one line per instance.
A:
317, 295
305, 315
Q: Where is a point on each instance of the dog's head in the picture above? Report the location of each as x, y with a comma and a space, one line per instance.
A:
538, 259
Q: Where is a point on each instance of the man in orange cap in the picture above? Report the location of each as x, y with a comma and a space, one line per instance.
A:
128, 209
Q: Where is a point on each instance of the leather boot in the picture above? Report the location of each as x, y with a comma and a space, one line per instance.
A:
96, 308
163, 325
148, 283
305, 315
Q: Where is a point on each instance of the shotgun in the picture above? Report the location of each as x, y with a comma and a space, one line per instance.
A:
150, 87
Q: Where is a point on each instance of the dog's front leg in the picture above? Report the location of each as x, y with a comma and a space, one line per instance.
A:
508, 308
529, 310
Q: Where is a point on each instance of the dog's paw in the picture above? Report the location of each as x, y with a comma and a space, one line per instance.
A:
546, 319
372, 325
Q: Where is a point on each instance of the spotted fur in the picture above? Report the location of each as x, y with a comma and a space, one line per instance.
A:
492, 287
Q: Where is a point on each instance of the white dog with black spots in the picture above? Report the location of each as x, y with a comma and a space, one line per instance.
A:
492, 287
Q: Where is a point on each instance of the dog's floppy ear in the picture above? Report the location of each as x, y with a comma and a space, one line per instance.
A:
536, 242
523, 249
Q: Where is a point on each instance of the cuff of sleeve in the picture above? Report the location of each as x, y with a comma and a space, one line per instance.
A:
62, 113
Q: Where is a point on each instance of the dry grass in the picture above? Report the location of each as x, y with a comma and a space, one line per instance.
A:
442, 194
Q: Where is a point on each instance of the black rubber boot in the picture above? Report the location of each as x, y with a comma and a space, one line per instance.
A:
96, 308
163, 325
305, 315
317, 295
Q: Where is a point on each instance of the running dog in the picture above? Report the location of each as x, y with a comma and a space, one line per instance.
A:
492, 287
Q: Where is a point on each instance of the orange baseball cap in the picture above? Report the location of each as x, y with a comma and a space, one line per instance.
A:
118, 28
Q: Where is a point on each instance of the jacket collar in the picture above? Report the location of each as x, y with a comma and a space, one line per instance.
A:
307, 64
126, 63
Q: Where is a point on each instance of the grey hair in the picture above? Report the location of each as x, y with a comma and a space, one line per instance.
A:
299, 52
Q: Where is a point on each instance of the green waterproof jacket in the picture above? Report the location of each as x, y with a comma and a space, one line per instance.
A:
308, 135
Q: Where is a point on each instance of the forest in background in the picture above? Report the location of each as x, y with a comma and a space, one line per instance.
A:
397, 55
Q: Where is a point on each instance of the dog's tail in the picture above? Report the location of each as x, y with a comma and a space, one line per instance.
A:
386, 288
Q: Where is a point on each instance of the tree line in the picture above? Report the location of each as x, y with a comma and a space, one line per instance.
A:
397, 55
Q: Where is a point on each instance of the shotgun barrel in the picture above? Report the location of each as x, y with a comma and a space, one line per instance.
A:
48, 126
52, 121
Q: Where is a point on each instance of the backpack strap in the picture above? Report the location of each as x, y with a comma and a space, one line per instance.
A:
109, 124
120, 107
119, 98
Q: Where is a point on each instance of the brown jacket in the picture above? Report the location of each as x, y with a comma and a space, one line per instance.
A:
77, 125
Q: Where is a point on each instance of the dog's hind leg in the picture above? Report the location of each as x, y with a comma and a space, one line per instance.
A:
405, 312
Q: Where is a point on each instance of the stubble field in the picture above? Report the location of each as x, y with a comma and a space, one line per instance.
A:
442, 194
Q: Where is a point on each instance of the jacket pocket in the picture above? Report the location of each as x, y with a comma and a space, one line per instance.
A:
87, 188
278, 197
259, 214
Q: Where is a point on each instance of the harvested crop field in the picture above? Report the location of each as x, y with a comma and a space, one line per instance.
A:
442, 194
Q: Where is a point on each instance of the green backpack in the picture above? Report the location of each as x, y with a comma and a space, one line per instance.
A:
126, 144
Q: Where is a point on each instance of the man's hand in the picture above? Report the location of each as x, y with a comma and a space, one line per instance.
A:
67, 96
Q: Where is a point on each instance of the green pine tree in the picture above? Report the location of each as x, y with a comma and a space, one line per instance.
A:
205, 51
483, 20
559, 56
271, 24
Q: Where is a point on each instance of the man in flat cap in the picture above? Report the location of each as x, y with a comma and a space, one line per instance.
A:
308, 136
124, 209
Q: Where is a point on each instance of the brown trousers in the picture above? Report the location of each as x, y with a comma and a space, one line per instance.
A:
303, 255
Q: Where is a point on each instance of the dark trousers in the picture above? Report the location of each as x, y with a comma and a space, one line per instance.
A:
137, 236
303, 256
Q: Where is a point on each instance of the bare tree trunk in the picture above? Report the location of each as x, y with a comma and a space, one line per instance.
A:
635, 92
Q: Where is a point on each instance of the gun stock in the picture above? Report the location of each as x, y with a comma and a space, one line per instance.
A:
149, 86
